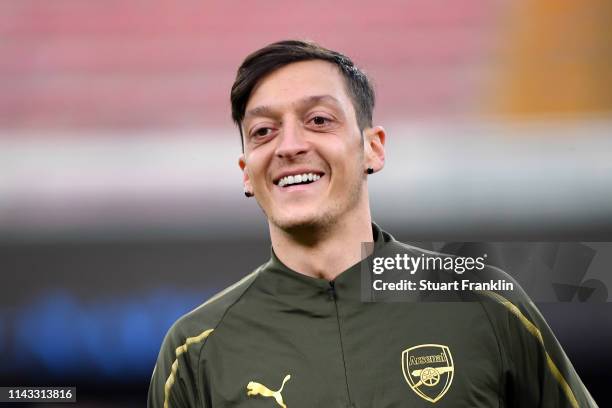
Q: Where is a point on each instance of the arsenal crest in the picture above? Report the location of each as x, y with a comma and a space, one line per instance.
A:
428, 369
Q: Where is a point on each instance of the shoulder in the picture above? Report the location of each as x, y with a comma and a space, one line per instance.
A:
508, 309
476, 280
173, 379
201, 321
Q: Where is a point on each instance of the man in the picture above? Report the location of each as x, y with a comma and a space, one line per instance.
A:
297, 331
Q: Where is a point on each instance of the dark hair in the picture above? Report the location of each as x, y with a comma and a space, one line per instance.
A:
274, 56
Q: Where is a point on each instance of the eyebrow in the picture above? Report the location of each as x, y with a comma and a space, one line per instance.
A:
267, 110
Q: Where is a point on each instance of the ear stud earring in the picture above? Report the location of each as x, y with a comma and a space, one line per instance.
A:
370, 170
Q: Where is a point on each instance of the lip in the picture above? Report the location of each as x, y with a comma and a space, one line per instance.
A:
295, 172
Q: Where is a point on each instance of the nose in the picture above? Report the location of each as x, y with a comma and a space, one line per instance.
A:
291, 141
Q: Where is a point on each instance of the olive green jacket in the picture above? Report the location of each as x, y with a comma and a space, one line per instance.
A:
279, 338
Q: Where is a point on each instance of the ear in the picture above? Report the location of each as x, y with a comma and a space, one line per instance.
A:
246, 181
374, 147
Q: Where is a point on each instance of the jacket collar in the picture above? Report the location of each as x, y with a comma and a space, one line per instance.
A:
284, 281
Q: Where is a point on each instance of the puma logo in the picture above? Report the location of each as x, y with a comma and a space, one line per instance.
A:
254, 388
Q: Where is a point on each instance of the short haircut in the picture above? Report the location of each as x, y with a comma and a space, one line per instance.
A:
274, 56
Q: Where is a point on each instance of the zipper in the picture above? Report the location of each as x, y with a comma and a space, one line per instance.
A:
331, 291
333, 296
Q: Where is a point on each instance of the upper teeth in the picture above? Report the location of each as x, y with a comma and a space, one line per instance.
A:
298, 178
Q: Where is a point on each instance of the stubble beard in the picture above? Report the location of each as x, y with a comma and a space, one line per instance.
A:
322, 220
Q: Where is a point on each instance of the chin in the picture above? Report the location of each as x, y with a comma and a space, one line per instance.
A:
301, 222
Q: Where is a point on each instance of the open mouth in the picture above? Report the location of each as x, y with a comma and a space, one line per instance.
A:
297, 179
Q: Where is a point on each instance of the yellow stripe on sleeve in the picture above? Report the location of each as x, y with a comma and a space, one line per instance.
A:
531, 328
180, 350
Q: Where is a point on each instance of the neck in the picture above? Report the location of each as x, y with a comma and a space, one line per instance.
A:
324, 252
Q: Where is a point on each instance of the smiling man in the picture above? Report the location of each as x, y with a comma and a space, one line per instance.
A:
306, 160
296, 332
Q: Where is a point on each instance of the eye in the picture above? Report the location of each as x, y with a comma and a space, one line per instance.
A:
320, 121
261, 132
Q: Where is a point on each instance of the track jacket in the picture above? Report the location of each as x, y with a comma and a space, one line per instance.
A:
279, 338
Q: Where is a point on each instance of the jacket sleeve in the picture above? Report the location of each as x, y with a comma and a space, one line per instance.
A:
536, 370
173, 383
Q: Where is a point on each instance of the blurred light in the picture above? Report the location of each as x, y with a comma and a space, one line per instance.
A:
47, 331
112, 337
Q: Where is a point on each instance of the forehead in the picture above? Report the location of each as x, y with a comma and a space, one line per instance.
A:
297, 81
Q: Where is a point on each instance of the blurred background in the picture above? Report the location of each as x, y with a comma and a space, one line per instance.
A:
121, 203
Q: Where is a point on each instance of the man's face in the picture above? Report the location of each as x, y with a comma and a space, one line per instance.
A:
300, 121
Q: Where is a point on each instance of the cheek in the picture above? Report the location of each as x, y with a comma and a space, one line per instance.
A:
349, 157
256, 167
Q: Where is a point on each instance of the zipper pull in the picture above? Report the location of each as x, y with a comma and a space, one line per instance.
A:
332, 290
